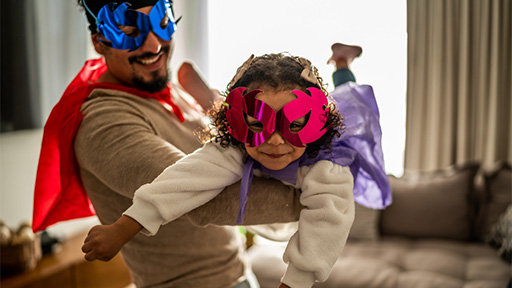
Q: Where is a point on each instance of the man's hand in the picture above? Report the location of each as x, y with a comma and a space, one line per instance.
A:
194, 84
103, 242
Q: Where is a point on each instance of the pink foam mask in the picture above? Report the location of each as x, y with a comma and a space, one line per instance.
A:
314, 107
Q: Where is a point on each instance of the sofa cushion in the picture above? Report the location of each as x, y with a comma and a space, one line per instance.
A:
404, 262
497, 196
431, 204
396, 262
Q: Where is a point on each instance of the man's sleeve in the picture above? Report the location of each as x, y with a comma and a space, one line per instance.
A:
270, 201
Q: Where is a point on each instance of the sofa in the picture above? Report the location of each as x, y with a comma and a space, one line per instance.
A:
446, 228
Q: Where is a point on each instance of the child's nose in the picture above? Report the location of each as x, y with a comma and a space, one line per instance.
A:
276, 139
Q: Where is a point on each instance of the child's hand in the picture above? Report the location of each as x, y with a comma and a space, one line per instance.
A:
103, 242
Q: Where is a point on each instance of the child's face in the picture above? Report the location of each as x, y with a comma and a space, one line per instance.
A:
275, 153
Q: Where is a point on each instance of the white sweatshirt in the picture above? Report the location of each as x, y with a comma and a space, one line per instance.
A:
324, 223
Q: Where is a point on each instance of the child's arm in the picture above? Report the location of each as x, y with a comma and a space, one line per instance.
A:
324, 224
103, 242
186, 185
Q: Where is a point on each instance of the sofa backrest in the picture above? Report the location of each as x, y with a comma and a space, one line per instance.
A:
461, 202
436, 204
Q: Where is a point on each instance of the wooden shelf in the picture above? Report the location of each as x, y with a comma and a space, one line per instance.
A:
68, 268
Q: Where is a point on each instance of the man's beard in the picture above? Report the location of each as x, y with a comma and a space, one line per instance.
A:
158, 83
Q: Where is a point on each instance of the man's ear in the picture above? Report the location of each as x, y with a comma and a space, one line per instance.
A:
98, 46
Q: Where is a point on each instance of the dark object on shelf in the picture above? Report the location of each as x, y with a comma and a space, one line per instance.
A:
49, 244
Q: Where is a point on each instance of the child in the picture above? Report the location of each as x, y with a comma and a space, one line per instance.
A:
276, 121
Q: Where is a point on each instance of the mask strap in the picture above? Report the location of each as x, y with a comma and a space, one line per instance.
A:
90, 12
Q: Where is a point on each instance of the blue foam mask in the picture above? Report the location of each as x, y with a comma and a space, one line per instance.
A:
127, 29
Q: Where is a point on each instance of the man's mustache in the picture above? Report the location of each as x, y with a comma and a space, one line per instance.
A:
135, 58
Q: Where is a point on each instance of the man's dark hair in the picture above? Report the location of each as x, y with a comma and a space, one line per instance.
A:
96, 5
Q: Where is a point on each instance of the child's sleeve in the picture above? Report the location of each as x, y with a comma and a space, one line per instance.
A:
324, 224
186, 185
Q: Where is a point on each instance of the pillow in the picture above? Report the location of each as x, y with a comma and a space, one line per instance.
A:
500, 235
365, 226
498, 195
431, 204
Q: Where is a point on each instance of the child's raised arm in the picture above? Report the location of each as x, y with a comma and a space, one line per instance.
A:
103, 242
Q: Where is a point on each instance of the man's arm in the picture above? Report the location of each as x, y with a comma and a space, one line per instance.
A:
270, 201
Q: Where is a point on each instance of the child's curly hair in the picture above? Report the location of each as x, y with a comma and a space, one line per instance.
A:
281, 72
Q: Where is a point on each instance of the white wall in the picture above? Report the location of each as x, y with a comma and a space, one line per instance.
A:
19, 152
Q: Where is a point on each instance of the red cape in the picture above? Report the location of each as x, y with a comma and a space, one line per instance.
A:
59, 194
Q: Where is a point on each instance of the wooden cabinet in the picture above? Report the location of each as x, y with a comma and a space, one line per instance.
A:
67, 268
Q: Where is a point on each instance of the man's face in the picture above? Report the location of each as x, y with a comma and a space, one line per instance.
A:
145, 68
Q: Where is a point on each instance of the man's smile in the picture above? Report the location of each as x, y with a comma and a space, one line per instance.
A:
149, 60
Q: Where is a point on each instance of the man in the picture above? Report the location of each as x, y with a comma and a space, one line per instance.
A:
118, 126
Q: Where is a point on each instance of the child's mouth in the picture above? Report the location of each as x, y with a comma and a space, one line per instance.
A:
274, 156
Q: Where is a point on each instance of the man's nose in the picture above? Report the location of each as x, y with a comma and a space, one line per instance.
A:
152, 44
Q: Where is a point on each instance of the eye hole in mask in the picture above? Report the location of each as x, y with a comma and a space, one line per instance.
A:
164, 22
130, 31
254, 124
299, 124
257, 127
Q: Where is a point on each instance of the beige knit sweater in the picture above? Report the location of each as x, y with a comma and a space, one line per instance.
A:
125, 141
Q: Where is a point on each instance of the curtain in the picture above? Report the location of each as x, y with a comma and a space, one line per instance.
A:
63, 42
459, 83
